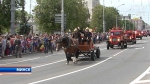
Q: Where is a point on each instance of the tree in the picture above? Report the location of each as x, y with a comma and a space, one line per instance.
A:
5, 14
23, 19
76, 14
129, 25
110, 17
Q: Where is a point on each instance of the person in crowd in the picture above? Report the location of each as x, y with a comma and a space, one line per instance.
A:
12, 40
1, 47
18, 47
35, 45
46, 42
8, 47
50, 43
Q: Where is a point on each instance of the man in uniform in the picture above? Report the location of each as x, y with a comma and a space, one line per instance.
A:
88, 36
76, 35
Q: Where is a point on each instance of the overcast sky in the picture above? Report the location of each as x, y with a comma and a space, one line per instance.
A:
134, 7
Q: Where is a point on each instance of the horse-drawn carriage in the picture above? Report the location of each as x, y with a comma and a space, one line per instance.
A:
73, 49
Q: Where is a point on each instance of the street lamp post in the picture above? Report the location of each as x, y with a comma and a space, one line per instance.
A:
62, 17
103, 17
126, 21
116, 15
12, 28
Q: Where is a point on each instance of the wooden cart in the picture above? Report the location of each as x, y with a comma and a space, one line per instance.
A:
89, 50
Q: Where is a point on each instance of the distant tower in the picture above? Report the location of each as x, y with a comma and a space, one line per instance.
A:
140, 17
91, 4
129, 15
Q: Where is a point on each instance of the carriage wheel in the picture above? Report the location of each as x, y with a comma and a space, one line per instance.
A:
92, 56
98, 53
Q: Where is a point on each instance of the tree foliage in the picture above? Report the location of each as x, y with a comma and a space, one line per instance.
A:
129, 25
110, 14
76, 14
5, 14
23, 19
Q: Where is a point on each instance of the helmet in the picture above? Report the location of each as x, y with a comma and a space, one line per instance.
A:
75, 29
87, 29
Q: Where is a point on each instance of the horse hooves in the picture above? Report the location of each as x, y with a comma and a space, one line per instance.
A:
75, 62
67, 63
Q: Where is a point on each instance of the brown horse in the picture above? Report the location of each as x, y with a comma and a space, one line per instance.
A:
70, 47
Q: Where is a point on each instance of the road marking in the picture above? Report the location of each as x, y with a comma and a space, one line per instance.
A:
148, 73
54, 54
21, 61
144, 41
140, 48
143, 81
140, 77
100, 45
77, 70
49, 64
102, 49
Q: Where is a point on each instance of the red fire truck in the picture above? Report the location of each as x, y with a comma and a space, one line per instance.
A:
145, 33
116, 37
130, 36
138, 34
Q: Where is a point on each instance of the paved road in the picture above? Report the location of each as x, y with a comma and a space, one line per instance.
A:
116, 66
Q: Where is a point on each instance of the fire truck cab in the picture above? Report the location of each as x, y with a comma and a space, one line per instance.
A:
144, 33
130, 36
116, 37
138, 34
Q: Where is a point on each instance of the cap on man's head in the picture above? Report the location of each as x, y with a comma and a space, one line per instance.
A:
87, 28
75, 29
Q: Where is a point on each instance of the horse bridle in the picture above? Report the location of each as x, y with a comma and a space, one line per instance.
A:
66, 47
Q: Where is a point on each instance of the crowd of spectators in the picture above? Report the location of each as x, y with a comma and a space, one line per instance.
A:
20, 44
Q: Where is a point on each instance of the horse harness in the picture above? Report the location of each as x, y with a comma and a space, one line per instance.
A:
69, 43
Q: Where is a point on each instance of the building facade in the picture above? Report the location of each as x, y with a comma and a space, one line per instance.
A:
90, 5
139, 23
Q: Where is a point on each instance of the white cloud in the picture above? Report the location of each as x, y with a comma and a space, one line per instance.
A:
27, 5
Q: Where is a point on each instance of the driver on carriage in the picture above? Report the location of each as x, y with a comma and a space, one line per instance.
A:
76, 35
88, 36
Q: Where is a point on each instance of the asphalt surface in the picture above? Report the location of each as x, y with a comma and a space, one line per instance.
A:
115, 66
